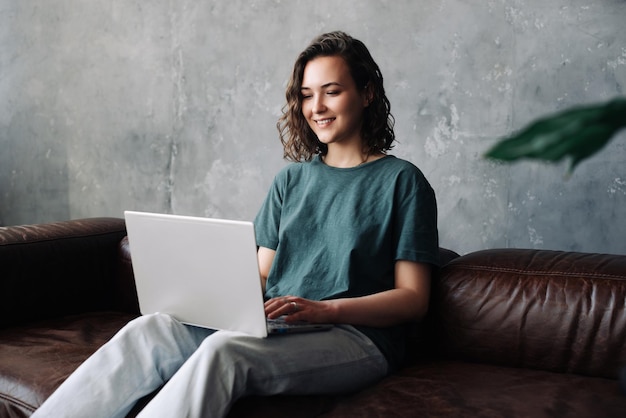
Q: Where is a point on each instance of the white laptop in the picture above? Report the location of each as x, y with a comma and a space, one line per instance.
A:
202, 271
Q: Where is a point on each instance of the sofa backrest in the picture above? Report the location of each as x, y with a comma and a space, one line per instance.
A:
61, 268
548, 310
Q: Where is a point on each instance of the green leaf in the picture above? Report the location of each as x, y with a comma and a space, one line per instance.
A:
577, 133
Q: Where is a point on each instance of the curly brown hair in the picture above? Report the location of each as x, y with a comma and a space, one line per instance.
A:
300, 142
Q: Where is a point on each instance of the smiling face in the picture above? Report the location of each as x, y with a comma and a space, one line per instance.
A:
331, 103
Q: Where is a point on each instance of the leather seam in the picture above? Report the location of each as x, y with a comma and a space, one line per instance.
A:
540, 272
17, 402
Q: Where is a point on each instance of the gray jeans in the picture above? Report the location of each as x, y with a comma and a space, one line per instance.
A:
206, 371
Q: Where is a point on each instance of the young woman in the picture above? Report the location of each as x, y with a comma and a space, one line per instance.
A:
346, 235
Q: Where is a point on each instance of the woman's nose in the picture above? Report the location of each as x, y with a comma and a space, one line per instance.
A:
318, 104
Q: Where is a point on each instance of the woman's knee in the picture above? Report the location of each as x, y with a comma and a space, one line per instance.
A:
152, 321
220, 341
146, 327
229, 347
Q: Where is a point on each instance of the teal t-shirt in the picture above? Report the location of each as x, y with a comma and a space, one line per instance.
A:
337, 232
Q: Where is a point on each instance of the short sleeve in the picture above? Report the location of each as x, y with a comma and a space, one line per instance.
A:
267, 220
415, 223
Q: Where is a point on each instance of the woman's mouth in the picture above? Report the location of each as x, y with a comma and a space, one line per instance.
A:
324, 122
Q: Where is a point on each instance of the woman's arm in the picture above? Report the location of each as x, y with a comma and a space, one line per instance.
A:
406, 302
266, 258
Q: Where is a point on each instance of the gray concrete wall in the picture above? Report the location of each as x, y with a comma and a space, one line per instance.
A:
171, 106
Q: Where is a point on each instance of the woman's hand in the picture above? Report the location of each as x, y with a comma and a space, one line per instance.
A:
299, 309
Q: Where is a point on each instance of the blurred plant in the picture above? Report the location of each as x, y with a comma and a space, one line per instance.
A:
577, 133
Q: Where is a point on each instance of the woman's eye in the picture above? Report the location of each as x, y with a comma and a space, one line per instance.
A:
332, 93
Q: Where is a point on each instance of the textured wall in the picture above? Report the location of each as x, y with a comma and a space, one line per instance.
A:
171, 106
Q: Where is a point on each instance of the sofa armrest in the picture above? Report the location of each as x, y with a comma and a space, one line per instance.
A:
63, 268
548, 310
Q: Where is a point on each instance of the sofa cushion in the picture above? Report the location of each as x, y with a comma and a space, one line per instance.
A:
35, 358
453, 389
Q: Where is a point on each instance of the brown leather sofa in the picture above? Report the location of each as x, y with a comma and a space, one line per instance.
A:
510, 333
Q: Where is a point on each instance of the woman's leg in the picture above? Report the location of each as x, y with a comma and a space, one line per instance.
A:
137, 360
230, 365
